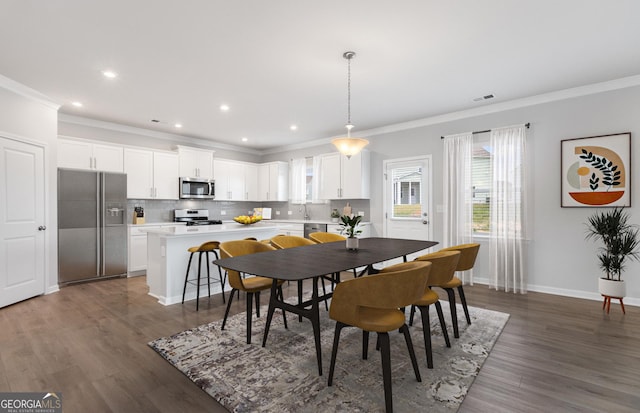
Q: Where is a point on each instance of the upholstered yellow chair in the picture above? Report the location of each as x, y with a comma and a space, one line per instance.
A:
205, 248
372, 303
323, 238
250, 285
468, 254
443, 266
292, 241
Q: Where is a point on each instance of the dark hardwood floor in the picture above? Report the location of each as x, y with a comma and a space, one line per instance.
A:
89, 341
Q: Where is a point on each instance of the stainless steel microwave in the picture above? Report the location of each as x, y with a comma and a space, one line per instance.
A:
197, 188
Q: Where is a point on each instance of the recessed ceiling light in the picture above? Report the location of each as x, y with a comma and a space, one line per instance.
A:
293, 127
245, 139
224, 108
77, 104
110, 74
178, 125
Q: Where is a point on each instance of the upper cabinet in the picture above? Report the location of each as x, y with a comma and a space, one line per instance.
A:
342, 178
230, 180
196, 163
273, 180
86, 155
151, 174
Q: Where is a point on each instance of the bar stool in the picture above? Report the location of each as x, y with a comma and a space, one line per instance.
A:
206, 248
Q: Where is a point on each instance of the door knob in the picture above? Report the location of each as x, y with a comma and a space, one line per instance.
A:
41, 228
425, 222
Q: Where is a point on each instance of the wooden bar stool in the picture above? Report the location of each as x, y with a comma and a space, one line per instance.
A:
206, 248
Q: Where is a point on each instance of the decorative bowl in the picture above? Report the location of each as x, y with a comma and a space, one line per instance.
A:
247, 220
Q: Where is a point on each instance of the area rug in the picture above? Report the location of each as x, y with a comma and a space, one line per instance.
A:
283, 376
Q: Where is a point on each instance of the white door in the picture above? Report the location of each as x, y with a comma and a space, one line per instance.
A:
407, 195
22, 224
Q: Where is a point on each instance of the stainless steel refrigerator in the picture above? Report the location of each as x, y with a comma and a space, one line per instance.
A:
92, 230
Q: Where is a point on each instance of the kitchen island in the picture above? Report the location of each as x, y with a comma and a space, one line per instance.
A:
167, 255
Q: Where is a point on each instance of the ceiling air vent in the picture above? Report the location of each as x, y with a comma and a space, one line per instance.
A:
485, 97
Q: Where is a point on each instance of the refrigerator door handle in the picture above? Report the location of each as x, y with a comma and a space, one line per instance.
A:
103, 224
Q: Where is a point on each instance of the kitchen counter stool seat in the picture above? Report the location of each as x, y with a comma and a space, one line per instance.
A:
204, 249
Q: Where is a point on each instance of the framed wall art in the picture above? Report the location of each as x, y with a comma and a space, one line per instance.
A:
596, 171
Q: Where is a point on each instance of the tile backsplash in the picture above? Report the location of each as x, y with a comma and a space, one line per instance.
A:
162, 210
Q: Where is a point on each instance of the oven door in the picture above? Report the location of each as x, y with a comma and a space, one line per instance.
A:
196, 188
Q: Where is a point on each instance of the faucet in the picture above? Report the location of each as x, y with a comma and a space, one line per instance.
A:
306, 214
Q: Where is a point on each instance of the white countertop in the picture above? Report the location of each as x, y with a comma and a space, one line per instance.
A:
265, 221
183, 230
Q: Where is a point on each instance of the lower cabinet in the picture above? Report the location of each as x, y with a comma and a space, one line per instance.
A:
138, 248
294, 229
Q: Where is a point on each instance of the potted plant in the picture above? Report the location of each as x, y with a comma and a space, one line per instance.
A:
349, 224
620, 241
335, 215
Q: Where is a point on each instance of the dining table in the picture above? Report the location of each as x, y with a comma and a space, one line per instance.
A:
313, 262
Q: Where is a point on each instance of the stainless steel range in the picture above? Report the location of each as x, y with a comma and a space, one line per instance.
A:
194, 217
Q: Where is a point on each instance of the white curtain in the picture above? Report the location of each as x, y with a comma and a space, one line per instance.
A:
316, 181
508, 215
458, 193
298, 188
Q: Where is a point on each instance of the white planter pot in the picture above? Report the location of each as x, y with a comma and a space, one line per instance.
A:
352, 243
610, 288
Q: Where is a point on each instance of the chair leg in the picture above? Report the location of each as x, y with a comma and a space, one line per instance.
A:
426, 332
226, 313
445, 334
334, 350
198, 286
413, 310
324, 292
385, 353
186, 278
412, 354
284, 313
463, 300
208, 273
299, 298
249, 316
257, 295
365, 344
454, 313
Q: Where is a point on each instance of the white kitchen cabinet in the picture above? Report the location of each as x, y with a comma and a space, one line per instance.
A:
273, 181
89, 155
293, 229
151, 174
342, 178
195, 162
251, 182
138, 247
235, 181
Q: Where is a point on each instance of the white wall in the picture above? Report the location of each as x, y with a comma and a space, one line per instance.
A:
560, 260
27, 116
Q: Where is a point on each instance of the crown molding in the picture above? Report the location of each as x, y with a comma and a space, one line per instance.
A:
170, 137
27, 92
622, 83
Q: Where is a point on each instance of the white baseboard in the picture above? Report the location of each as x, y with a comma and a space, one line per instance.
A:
52, 289
587, 295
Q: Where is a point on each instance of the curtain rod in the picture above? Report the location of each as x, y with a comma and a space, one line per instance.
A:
489, 130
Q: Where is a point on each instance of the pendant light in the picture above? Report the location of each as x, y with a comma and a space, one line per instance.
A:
349, 146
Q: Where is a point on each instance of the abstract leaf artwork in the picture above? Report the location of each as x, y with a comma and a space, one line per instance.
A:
596, 171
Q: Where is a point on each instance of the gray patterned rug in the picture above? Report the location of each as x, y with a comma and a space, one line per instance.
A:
283, 376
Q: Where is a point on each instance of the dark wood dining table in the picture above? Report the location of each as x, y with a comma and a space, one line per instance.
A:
313, 262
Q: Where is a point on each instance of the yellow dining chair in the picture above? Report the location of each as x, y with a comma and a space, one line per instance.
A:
468, 254
323, 238
292, 241
443, 266
373, 303
250, 285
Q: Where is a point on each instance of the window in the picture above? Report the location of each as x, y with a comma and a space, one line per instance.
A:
406, 192
481, 181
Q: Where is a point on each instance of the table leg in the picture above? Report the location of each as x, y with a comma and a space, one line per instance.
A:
299, 298
272, 308
315, 322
